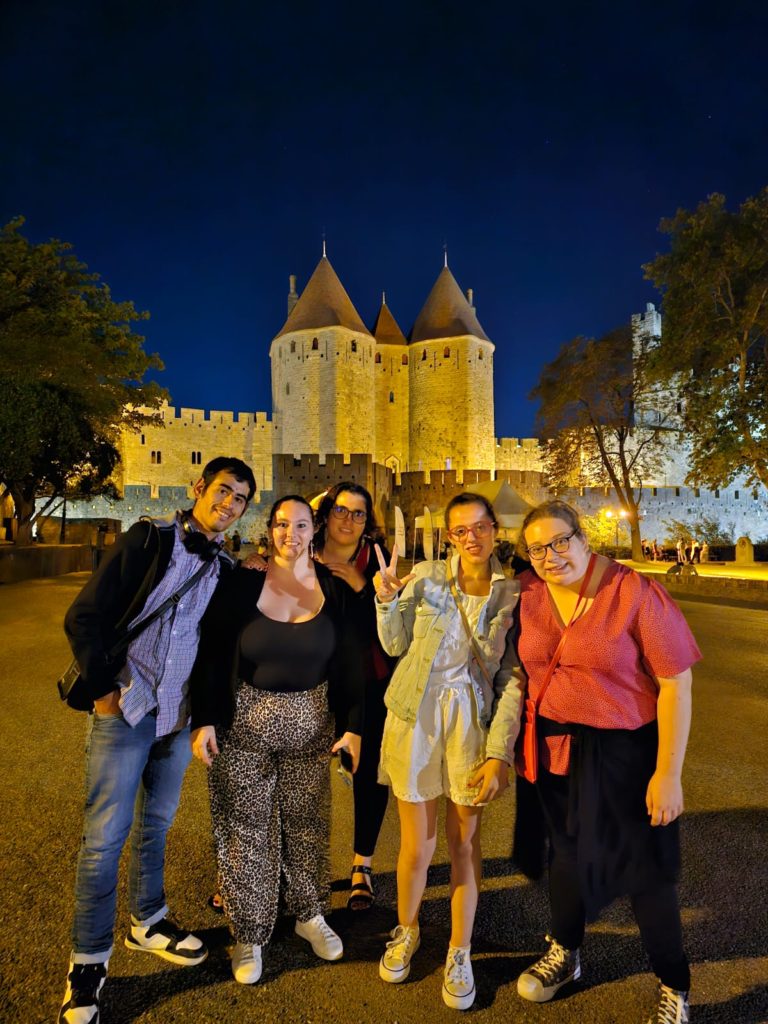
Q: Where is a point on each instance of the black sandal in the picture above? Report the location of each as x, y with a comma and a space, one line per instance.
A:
362, 896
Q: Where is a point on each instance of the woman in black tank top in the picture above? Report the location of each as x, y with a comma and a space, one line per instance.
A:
287, 641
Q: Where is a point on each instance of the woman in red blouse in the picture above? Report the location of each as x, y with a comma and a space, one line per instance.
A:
612, 731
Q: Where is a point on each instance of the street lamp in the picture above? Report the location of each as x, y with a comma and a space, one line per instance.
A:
618, 516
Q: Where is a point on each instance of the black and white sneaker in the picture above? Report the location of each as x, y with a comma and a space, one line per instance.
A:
556, 968
81, 998
166, 939
672, 1007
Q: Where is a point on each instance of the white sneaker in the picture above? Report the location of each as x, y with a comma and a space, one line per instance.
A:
321, 937
165, 939
395, 965
81, 999
458, 980
246, 963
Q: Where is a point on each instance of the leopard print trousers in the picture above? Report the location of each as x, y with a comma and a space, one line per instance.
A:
270, 806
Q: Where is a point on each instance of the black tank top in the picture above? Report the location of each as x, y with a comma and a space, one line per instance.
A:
287, 657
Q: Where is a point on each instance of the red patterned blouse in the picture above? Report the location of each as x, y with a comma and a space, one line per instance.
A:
632, 634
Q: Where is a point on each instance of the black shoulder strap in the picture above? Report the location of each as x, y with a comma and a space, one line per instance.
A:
139, 628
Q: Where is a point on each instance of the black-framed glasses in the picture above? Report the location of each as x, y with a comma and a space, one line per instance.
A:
359, 515
481, 529
559, 545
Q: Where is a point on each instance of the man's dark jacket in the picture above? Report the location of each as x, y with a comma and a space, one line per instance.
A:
113, 597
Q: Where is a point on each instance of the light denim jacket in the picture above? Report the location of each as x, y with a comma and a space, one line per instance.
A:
412, 627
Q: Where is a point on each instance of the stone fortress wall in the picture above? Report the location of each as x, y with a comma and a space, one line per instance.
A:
412, 420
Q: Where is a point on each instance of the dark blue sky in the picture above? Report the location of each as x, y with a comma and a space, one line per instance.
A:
194, 152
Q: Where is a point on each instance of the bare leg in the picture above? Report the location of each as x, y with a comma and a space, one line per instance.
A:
462, 829
418, 837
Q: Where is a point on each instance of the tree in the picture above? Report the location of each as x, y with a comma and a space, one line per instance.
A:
71, 372
589, 397
714, 282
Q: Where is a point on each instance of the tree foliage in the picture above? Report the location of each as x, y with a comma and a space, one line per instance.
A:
588, 396
714, 282
71, 373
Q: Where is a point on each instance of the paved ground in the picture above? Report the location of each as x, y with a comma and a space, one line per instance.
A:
723, 892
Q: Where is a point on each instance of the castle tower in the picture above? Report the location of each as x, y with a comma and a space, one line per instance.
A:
391, 387
451, 384
322, 372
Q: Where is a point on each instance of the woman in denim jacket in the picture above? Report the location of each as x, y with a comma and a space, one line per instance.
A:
451, 723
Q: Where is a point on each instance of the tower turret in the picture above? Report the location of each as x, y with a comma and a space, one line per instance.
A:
322, 372
391, 387
451, 384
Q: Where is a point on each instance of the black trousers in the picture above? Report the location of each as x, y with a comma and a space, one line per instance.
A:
656, 909
370, 799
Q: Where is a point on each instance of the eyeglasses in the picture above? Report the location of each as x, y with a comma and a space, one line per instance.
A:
479, 530
358, 515
559, 545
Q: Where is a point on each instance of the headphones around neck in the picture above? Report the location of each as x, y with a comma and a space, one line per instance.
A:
196, 542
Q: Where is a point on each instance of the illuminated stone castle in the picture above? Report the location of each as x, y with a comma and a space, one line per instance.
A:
419, 405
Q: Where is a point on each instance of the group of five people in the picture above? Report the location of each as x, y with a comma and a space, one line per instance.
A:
418, 683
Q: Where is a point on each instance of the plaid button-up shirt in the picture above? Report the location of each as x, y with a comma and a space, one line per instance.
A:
159, 661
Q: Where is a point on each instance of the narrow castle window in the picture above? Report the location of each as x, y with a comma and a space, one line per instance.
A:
736, 495
480, 354
155, 458
293, 347
391, 397
717, 493
287, 389
655, 491
424, 355
447, 352
677, 492
405, 360
377, 357
143, 439
354, 346
314, 344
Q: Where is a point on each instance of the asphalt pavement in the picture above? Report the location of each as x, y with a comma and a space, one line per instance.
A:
724, 890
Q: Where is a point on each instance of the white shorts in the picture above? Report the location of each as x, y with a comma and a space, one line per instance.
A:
440, 752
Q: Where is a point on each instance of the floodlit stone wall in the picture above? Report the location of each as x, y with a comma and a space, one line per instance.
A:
391, 377
322, 391
451, 404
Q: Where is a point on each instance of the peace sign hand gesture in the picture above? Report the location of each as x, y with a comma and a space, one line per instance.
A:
385, 582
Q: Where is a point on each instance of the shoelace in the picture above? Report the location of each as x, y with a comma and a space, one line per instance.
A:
401, 941
667, 1006
457, 971
552, 962
248, 954
325, 929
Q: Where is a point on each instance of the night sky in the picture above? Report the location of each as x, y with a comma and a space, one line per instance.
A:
194, 154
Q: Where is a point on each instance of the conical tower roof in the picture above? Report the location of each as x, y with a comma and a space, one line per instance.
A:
446, 313
386, 330
323, 303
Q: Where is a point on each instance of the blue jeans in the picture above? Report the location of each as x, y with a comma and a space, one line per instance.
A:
133, 783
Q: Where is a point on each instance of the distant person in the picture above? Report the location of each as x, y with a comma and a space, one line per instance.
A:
138, 735
613, 726
695, 551
705, 551
453, 718
680, 549
237, 542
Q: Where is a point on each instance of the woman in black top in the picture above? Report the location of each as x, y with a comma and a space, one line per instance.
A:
278, 657
346, 532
